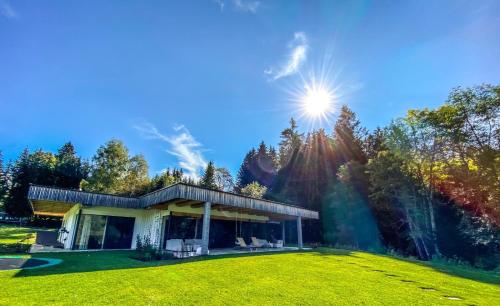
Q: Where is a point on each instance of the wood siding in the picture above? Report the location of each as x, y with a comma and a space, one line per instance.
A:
167, 194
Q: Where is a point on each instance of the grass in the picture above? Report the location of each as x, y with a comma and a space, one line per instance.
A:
15, 238
324, 276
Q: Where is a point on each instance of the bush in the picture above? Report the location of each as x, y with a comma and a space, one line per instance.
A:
15, 248
146, 251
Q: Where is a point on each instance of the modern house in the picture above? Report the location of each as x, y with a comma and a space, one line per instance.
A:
103, 221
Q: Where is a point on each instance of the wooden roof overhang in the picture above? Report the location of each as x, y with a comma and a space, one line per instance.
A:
46, 200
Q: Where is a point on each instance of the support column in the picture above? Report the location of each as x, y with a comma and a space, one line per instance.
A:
299, 232
205, 228
283, 232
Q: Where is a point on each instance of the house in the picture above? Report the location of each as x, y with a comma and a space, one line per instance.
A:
104, 221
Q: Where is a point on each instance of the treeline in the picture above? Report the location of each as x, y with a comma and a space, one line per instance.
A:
111, 170
426, 185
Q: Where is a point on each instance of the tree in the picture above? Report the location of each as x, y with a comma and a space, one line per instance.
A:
254, 190
224, 179
208, 178
291, 140
374, 143
258, 166
348, 136
137, 177
69, 170
114, 171
245, 174
3, 182
29, 168
390, 185
167, 178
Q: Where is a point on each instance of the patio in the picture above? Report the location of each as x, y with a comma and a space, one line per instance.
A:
229, 251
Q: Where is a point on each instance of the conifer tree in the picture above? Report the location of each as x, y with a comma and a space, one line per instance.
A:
69, 169
3, 182
291, 140
208, 179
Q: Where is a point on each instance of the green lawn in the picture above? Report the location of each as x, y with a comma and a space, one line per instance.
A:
10, 234
13, 237
326, 277
316, 277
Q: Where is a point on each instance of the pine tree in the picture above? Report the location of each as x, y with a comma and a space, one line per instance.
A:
208, 179
3, 182
35, 168
349, 135
245, 175
290, 142
69, 170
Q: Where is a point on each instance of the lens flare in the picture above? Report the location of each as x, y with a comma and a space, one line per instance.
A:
317, 101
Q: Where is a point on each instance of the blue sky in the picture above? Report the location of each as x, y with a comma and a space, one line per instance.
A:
187, 82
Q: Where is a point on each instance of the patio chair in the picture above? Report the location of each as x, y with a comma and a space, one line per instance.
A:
259, 243
240, 243
278, 244
174, 245
196, 245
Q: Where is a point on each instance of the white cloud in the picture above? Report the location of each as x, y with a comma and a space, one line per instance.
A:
7, 10
183, 146
247, 6
240, 5
220, 3
297, 55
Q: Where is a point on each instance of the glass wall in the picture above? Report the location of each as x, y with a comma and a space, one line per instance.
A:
104, 232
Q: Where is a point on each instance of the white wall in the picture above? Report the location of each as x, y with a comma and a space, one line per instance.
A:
69, 223
148, 222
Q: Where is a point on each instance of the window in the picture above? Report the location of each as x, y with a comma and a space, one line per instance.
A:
104, 232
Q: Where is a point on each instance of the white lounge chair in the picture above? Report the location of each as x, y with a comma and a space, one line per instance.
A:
260, 243
174, 245
240, 242
278, 244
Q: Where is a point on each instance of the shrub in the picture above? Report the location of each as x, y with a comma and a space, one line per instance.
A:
15, 248
146, 251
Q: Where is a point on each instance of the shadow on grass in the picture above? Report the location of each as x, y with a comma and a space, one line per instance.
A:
81, 262
462, 271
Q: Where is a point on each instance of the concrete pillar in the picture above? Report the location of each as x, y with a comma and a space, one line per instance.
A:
205, 228
283, 232
299, 232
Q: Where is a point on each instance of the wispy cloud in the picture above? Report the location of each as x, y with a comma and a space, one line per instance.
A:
247, 6
220, 3
7, 10
240, 5
297, 55
182, 145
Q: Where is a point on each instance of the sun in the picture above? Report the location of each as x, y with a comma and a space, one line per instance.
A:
317, 101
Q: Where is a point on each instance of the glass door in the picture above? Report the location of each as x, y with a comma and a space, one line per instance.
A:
104, 232
119, 232
90, 232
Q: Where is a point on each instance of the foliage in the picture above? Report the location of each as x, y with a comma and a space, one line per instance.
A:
3, 182
208, 178
320, 277
114, 171
167, 178
254, 190
291, 140
224, 179
146, 251
69, 170
258, 166
30, 168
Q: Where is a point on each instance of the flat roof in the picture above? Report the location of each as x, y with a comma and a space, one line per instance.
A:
54, 200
